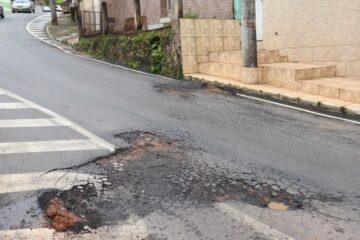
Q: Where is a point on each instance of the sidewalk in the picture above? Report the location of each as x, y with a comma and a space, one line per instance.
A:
301, 98
66, 31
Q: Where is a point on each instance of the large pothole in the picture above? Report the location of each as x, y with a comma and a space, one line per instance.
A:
157, 173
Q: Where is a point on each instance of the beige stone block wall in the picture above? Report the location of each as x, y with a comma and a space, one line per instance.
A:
315, 31
199, 37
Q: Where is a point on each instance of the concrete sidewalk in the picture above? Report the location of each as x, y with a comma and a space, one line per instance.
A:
66, 31
306, 99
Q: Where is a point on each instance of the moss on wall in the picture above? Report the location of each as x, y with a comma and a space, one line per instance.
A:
149, 51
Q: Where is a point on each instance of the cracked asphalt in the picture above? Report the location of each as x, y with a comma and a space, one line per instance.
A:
192, 161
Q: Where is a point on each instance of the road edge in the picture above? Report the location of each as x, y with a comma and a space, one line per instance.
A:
327, 111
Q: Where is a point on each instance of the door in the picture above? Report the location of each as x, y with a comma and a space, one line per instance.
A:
237, 9
259, 16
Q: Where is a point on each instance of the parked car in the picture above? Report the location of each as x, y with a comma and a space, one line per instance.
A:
23, 6
59, 8
46, 9
2, 15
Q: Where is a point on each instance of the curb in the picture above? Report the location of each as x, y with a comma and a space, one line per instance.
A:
351, 112
326, 109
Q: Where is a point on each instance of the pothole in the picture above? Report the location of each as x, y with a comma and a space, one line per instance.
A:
186, 89
157, 173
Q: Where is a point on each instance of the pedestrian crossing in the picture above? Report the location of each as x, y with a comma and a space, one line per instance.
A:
87, 142
37, 27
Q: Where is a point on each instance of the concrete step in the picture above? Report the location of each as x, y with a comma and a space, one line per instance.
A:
287, 75
225, 70
337, 88
234, 71
264, 57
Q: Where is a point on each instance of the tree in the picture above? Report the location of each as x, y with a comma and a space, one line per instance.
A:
248, 33
54, 20
138, 22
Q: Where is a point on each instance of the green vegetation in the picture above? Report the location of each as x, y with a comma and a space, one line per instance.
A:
149, 51
6, 5
191, 15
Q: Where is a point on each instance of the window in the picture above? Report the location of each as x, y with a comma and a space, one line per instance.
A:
169, 5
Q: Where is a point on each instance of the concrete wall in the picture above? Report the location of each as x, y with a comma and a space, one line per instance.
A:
315, 31
123, 9
201, 36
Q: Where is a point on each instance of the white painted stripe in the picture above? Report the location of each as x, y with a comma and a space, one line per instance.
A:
13, 106
21, 123
299, 109
27, 233
262, 228
153, 75
24, 182
48, 146
63, 121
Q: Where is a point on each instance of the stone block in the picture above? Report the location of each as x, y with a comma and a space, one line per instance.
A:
303, 54
232, 44
187, 28
213, 56
329, 91
347, 53
311, 88
353, 69
190, 64
202, 58
214, 69
237, 72
231, 28
350, 95
188, 46
204, 68
202, 45
216, 44
323, 54
202, 28
216, 28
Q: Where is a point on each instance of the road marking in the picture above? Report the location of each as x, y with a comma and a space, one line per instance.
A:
251, 222
163, 77
26, 182
22, 123
27, 233
48, 146
63, 121
13, 106
299, 109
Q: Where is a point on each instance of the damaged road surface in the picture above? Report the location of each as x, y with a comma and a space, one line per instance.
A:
144, 157
161, 188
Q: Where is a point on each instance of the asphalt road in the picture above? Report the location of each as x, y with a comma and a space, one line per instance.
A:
307, 155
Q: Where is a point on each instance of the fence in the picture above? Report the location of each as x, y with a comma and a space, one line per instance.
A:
92, 23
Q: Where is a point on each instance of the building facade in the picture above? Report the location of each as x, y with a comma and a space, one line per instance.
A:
158, 12
315, 31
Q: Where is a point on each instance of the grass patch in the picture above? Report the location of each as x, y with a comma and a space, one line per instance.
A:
149, 51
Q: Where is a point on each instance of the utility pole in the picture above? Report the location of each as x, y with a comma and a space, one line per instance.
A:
177, 13
178, 9
248, 33
54, 20
138, 24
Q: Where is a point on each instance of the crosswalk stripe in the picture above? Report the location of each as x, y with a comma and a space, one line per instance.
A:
48, 146
21, 123
13, 106
26, 182
95, 139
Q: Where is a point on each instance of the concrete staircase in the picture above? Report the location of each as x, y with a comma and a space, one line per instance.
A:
275, 70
